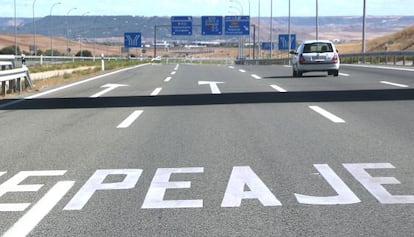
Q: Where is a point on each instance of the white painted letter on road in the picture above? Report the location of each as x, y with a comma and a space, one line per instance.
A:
245, 176
374, 184
346, 196
96, 182
12, 185
161, 182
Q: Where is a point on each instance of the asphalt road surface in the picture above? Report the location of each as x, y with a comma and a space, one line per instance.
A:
209, 150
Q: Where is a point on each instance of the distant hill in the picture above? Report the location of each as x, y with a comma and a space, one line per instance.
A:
342, 28
401, 40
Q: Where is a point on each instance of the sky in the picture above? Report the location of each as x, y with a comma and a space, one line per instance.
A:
24, 8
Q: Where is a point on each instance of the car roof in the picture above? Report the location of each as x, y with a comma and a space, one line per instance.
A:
317, 41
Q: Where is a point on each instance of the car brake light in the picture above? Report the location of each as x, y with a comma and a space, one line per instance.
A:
335, 58
301, 59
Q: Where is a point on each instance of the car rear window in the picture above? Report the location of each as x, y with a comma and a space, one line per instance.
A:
318, 48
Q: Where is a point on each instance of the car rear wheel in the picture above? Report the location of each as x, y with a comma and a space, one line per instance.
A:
336, 73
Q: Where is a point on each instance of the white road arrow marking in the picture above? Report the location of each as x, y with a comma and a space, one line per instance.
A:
213, 86
109, 87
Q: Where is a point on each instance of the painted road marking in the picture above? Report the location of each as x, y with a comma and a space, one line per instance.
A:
35, 215
213, 86
109, 87
156, 91
231, 67
173, 73
382, 67
131, 119
394, 84
278, 88
168, 79
82, 82
327, 114
344, 74
176, 67
256, 77
241, 70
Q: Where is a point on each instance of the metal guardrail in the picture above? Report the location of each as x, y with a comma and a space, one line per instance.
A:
405, 58
12, 75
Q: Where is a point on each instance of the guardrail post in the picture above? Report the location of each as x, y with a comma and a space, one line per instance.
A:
3, 88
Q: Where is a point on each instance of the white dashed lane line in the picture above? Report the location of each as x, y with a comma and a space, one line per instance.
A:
278, 88
256, 77
394, 84
156, 91
327, 114
167, 79
241, 70
131, 119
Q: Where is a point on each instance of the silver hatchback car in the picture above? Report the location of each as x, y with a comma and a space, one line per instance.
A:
315, 56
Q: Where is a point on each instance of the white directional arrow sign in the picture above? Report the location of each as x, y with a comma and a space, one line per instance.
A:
213, 86
109, 87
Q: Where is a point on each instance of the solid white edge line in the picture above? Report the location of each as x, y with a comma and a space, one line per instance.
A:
82, 82
278, 88
394, 84
381, 67
156, 91
35, 215
344, 74
327, 114
131, 119
256, 77
167, 79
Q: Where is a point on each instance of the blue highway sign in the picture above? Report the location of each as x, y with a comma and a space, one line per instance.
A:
237, 25
212, 25
181, 25
284, 44
132, 40
266, 45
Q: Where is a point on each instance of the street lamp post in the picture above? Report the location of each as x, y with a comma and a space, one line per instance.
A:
241, 12
258, 30
271, 29
51, 34
289, 37
15, 28
34, 29
364, 28
317, 20
67, 29
80, 35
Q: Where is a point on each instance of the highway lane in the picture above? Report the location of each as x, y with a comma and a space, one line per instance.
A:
277, 141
